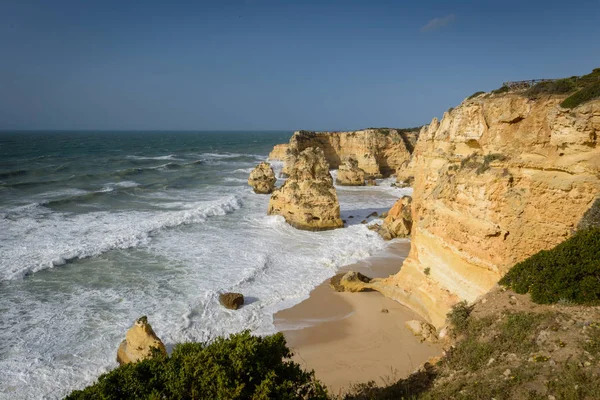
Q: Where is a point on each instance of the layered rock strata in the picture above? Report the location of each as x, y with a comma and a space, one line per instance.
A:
498, 179
262, 178
349, 174
307, 200
378, 152
139, 343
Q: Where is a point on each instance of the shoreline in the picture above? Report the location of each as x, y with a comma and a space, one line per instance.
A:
350, 338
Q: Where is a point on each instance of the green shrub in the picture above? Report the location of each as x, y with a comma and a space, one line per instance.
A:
503, 89
427, 270
591, 218
559, 86
570, 271
585, 94
474, 95
240, 367
459, 316
487, 160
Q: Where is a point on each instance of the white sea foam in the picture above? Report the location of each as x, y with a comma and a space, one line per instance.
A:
61, 327
54, 238
167, 157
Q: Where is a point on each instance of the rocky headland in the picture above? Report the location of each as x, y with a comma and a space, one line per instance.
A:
499, 178
379, 152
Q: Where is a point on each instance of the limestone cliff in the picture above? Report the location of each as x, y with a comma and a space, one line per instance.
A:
279, 152
307, 200
498, 179
379, 152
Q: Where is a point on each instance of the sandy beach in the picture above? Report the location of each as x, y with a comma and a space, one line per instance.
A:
350, 338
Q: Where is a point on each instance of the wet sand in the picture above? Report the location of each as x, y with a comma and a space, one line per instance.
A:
350, 338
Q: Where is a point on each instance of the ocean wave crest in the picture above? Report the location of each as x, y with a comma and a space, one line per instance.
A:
40, 239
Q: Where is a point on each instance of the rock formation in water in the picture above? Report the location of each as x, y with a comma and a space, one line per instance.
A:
307, 200
139, 343
279, 152
398, 222
378, 152
233, 301
349, 174
262, 178
498, 179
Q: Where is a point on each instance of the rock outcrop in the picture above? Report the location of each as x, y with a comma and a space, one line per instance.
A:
279, 152
378, 152
262, 178
139, 343
307, 200
233, 301
498, 179
398, 222
425, 330
350, 282
349, 174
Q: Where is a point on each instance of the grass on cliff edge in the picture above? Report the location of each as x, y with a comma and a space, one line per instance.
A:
568, 272
239, 367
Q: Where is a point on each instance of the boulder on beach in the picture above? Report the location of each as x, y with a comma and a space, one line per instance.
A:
350, 282
140, 343
307, 200
423, 329
349, 174
233, 301
262, 178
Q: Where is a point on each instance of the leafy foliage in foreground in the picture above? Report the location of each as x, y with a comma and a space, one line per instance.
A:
240, 367
570, 271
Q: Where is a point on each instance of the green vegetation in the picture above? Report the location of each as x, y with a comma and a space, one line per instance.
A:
503, 89
570, 271
458, 317
427, 271
585, 94
487, 159
559, 86
240, 367
474, 95
591, 218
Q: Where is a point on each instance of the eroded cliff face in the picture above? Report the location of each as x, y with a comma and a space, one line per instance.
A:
279, 152
498, 179
379, 152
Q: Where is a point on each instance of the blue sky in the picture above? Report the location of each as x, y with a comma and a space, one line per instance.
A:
259, 64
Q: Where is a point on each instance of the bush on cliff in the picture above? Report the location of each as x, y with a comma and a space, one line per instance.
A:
570, 271
240, 367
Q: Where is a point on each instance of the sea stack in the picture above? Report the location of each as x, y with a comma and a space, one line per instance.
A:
349, 174
307, 200
262, 178
139, 342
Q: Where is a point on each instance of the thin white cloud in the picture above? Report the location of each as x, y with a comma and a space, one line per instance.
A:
438, 23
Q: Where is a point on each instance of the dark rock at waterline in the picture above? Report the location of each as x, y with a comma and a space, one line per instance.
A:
233, 301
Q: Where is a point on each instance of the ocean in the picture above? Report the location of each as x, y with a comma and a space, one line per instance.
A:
100, 228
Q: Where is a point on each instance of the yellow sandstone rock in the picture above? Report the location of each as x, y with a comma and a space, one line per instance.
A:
378, 152
139, 342
279, 152
398, 222
262, 178
498, 179
307, 200
349, 174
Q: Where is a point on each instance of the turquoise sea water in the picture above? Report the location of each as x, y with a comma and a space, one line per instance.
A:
99, 228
